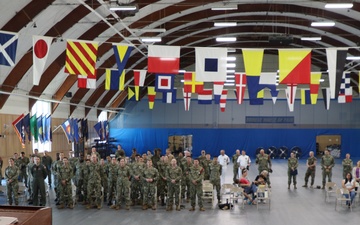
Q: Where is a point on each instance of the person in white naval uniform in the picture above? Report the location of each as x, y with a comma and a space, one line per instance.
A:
243, 161
223, 160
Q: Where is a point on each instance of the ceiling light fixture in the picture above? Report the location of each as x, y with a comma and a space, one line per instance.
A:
230, 71
151, 39
231, 50
123, 8
158, 30
225, 7
353, 58
225, 24
339, 5
231, 58
225, 39
229, 84
323, 24
230, 65
311, 38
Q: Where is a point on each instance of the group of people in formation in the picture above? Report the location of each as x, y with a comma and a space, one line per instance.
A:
150, 178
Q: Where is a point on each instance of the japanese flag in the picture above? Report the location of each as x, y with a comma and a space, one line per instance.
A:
41, 47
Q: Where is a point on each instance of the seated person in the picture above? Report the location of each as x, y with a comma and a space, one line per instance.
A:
349, 183
261, 179
249, 187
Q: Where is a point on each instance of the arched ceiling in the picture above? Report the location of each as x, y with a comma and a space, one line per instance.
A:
188, 23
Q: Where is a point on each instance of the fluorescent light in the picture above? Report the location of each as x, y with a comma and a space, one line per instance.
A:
225, 7
231, 58
323, 24
225, 24
151, 39
311, 38
229, 84
156, 30
225, 39
230, 76
182, 81
231, 50
123, 8
230, 81
339, 5
353, 58
321, 80
230, 65
230, 71
182, 71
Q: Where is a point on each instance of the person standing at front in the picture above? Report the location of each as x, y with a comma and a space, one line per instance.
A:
327, 163
311, 168
264, 162
292, 169
196, 176
347, 164
223, 160
173, 178
39, 173
12, 186
150, 177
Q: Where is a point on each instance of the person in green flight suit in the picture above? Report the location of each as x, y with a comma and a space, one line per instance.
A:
327, 163
39, 173
347, 164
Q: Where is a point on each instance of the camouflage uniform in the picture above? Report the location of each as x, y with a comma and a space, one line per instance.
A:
215, 174
182, 162
235, 167
149, 188
30, 179
23, 175
196, 173
19, 164
187, 183
347, 166
95, 173
123, 185
85, 176
162, 183
47, 162
311, 162
327, 163
104, 180
112, 179
12, 188
173, 173
206, 165
65, 176
136, 184
292, 163
264, 163
55, 170
79, 180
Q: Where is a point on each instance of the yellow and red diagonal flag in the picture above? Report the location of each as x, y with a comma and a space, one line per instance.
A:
294, 66
151, 96
81, 57
314, 86
190, 83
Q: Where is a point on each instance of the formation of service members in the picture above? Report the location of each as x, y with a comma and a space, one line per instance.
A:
141, 180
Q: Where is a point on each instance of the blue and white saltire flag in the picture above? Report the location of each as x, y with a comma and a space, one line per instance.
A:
8, 46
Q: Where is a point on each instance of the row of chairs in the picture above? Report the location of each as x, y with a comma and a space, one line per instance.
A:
340, 195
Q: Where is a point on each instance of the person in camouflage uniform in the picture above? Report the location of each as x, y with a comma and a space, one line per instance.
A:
47, 162
39, 174
93, 151
79, 180
235, 165
112, 179
65, 176
347, 164
55, 170
136, 183
202, 157
156, 157
292, 167
12, 186
104, 179
327, 163
311, 169
215, 174
120, 152
123, 175
23, 175
196, 176
19, 164
85, 177
186, 171
30, 178
173, 178
162, 183
149, 177
95, 172
181, 163
206, 165
264, 163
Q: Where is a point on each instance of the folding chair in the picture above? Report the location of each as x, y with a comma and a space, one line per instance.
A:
340, 197
330, 188
237, 194
225, 191
263, 194
208, 192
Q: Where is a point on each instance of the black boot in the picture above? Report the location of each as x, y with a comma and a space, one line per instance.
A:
162, 202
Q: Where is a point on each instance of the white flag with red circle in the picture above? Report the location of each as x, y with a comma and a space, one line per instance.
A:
41, 47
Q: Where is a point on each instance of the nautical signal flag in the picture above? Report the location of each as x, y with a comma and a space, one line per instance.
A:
190, 83
151, 96
163, 59
218, 88
253, 59
305, 97
210, 64
240, 83
290, 96
187, 99
169, 97
88, 82
336, 58
81, 57
114, 80
314, 86
8, 46
205, 96
39, 125
223, 100
131, 94
326, 97
18, 127
345, 94
294, 66
41, 48
139, 80
164, 82
122, 54
33, 127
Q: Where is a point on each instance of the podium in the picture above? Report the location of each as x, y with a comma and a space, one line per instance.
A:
28, 215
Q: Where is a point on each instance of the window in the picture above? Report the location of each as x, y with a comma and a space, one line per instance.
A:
41, 109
